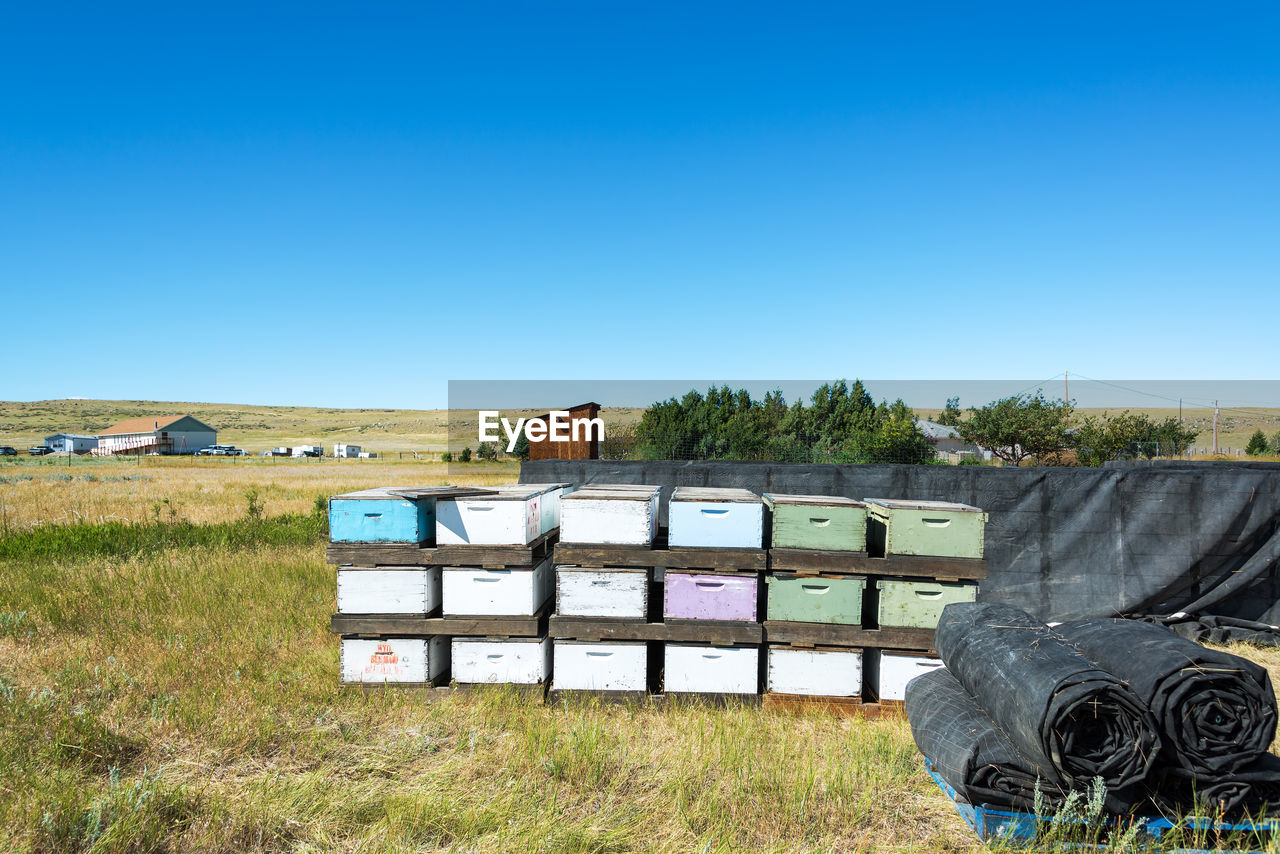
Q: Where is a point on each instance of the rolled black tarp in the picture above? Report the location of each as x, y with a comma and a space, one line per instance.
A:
1249, 792
1070, 719
968, 750
1216, 711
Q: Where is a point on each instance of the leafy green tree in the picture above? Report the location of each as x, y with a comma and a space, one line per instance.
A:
1020, 427
950, 414
464, 456
1275, 444
446, 457
1098, 440
1257, 444
521, 448
487, 451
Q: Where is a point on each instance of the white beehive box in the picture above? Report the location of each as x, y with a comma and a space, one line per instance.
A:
512, 515
622, 593
405, 660
701, 669
897, 669
388, 589
715, 518
513, 661
513, 591
582, 666
815, 672
599, 513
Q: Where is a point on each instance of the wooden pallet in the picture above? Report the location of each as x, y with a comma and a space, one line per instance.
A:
850, 707
717, 632
707, 560
1192, 834
823, 561
416, 625
836, 634
439, 683
401, 554
536, 693
585, 697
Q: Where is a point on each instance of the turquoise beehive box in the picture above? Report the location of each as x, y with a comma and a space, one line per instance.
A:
388, 514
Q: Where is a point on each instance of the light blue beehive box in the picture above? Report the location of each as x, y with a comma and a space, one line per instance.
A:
381, 516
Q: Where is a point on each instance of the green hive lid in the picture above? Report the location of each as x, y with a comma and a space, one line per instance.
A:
815, 500
910, 504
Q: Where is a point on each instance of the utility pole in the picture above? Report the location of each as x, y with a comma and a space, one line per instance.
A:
1066, 387
1179, 412
1215, 427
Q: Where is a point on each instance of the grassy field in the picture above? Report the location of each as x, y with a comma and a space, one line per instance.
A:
176, 689
167, 686
392, 431
258, 428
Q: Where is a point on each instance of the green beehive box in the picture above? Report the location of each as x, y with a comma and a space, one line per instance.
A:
936, 528
812, 599
919, 604
817, 522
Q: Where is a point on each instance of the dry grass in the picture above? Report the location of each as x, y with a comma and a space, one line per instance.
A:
258, 428
43, 491
189, 701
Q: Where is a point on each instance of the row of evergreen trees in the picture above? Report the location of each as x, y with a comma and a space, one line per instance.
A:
840, 423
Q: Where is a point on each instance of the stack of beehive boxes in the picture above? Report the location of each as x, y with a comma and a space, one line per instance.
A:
615, 516
708, 525
923, 530
439, 582
811, 612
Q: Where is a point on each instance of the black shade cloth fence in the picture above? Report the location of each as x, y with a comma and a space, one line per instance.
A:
1070, 719
1216, 712
1062, 543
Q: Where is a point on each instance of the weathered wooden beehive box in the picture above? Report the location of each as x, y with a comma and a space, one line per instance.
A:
511, 514
512, 591
816, 522
711, 517
893, 670
407, 660
814, 599
511, 661
818, 672
937, 528
388, 589
722, 596
587, 666
381, 516
919, 604
702, 669
589, 592
611, 515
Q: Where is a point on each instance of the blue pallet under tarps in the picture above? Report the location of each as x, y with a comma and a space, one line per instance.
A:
1000, 824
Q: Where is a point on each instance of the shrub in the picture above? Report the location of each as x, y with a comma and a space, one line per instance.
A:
1257, 444
465, 455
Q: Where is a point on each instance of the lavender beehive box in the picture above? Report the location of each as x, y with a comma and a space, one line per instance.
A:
723, 596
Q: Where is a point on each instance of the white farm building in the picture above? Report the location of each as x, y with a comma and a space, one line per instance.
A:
171, 434
69, 443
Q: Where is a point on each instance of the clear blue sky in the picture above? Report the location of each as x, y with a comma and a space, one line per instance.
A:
351, 204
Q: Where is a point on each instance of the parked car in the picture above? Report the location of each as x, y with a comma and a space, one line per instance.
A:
237, 452
210, 452
39, 450
7, 451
